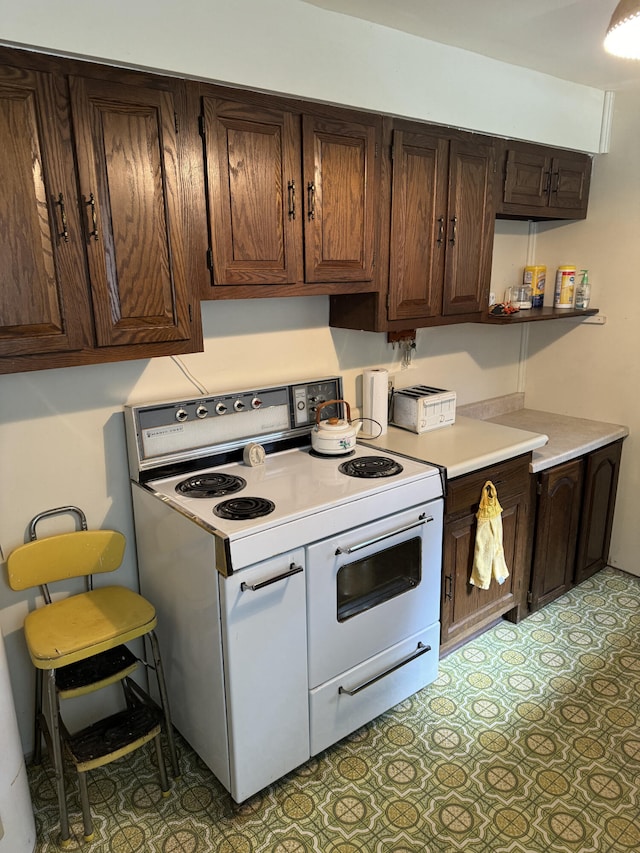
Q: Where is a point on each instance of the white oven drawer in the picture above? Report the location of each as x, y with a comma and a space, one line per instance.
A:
374, 687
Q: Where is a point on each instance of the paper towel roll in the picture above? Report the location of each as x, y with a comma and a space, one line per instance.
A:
375, 401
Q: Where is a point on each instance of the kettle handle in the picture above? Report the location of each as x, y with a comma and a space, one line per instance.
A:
330, 403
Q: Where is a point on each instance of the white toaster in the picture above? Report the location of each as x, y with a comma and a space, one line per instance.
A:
421, 408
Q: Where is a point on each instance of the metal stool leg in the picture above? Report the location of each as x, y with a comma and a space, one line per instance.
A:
86, 810
37, 720
162, 770
56, 748
164, 699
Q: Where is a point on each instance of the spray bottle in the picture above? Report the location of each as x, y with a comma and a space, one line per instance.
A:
583, 291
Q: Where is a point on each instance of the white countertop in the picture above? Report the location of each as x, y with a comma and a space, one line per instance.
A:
569, 437
465, 446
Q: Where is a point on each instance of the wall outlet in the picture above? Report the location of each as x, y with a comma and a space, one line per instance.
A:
492, 298
392, 382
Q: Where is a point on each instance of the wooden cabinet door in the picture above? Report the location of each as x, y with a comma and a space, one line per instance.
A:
418, 214
126, 139
466, 609
470, 227
570, 180
598, 505
339, 173
43, 301
254, 193
557, 517
528, 178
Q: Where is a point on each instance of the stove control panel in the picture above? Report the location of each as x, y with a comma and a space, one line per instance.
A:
168, 431
307, 398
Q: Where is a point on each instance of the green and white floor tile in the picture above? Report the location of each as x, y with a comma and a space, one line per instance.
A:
529, 741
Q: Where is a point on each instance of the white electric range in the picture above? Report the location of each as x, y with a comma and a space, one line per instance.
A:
298, 595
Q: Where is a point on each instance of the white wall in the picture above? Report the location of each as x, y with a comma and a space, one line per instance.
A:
61, 433
293, 47
594, 371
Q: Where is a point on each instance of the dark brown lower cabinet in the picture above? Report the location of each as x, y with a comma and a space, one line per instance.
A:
598, 505
559, 492
466, 609
574, 517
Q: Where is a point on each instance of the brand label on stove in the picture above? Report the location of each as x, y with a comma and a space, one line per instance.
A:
163, 439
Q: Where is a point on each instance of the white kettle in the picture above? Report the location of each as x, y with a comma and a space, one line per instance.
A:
334, 436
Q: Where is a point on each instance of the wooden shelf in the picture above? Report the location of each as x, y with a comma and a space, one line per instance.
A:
531, 315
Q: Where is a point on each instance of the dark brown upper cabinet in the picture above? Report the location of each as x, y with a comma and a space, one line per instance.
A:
42, 295
543, 183
254, 191
129, 192
339, 178
92, 216
437, 238
291, 197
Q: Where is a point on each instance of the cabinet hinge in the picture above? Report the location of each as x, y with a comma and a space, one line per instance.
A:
209, 259
376, 150
176, 122
529, 598
201, 126
539, 488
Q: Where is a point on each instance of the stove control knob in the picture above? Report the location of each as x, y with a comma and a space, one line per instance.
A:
182, 415
238, 406
202, 412
256, 403
221, 408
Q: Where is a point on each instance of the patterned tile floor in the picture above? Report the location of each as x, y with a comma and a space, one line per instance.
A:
528, 741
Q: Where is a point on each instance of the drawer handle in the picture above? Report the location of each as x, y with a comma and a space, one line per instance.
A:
421, 649
293, 570
424, 519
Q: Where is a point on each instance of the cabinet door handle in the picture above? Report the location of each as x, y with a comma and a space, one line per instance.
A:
422, 519
454, 230
291, 187
547, 183
448, 587
94, 219
64, 234
292, 570
421, 649
555, 185
440, 237
311, 200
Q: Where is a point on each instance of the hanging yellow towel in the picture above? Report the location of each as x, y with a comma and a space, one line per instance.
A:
488, 558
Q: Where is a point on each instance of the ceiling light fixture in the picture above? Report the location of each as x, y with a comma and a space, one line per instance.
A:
623, 34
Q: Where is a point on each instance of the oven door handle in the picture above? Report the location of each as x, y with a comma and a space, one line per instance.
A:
293, 570
424, 519
420, 650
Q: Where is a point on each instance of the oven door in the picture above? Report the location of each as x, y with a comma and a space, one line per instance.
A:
371, 587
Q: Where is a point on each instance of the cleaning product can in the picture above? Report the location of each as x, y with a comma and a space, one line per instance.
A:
536, 276
565, 287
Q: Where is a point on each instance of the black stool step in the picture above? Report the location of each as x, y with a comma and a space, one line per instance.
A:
93, 670
113, 733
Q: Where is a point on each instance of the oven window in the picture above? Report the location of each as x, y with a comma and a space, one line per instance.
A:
375, 579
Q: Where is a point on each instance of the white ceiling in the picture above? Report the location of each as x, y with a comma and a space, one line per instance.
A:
558, 37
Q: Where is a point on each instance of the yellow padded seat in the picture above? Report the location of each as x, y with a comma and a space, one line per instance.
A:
89, 623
